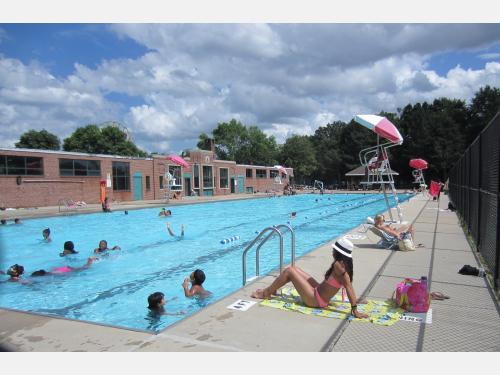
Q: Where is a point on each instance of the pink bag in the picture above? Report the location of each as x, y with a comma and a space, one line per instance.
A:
412, 296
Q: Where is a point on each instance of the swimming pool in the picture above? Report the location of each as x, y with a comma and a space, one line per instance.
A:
114, 290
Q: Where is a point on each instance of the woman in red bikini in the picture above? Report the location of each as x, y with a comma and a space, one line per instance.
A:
314, 294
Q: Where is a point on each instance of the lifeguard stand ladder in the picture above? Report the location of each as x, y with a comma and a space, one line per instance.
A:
378, 170
419, 179
319, 185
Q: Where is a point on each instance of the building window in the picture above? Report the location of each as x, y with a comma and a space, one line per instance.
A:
176, 181
196, 176
148, 182
249, 173
273, 174
20, 165
208, 180
175, 171
121, 176
74, 167
260, 173
161, 182
223, 178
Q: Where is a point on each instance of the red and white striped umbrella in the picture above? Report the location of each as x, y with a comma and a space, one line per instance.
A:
381, 126
418, 164
178, 160
281, 169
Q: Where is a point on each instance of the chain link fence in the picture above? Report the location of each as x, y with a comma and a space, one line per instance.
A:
474, 190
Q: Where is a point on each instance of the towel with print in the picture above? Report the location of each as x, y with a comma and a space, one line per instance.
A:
379, 312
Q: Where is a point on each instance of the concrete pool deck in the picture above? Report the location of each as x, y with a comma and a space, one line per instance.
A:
468, 321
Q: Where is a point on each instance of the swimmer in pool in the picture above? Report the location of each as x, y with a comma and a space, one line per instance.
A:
196, 278
3, 221
64, 269
46, 235
172, 233
69, 248
165, 212
156, 304
15, 273
103, 247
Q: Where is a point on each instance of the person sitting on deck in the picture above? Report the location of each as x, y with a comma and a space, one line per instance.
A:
172, 233
69, 248
400, 233
314, 293
103, 247
196, 278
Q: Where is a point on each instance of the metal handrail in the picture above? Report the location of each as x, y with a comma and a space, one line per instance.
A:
273, 230
59, 203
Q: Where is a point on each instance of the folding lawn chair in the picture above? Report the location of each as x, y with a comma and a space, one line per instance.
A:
386, 241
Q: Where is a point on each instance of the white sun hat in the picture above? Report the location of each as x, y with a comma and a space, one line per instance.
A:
343, 246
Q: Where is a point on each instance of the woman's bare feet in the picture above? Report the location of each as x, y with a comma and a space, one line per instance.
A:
362, 301
259, 294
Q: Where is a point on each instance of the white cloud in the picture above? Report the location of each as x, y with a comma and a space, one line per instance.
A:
285, 78
489, 56
31, 98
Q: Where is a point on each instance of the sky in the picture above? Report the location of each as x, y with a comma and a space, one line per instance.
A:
167, 83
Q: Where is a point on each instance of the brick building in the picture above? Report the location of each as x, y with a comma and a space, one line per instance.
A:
37, 178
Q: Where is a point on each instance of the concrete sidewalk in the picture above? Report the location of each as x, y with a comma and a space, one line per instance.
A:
468, 321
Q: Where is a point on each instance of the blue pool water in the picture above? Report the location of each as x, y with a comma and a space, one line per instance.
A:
114, 290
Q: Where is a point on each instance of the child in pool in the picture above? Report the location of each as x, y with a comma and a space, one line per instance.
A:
165, 212
46, 235
103, 247
64, 269
196, 278
69, 248
15, 273
172, 233
156, 304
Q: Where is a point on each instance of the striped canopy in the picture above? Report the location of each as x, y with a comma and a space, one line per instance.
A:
381, 126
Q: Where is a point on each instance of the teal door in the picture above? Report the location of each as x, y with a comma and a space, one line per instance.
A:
137, 186
232, 185
187, 186
241, 184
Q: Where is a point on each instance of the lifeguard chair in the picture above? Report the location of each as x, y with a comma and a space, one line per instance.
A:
418, 166
318, 185
375, 159
281, 169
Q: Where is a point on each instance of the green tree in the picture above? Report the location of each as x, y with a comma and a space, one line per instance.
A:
108, 140
229, 138
434, 132
485, 105
245, 145
326, 142
298, 153
203, 142
353, 138
42, 140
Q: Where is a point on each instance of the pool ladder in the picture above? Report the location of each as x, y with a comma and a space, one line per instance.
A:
273, 230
